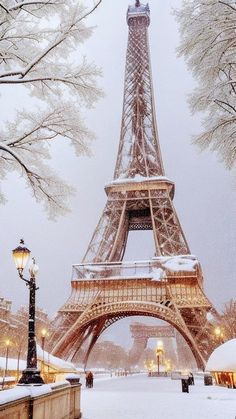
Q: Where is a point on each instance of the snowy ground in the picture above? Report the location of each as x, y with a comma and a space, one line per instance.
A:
141, 397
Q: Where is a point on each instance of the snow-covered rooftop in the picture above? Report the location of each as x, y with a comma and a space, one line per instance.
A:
223, 358
12, 364
54, 362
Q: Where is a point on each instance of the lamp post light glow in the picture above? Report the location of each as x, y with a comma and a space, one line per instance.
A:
31, 375
159, 352
44, 333
219, 334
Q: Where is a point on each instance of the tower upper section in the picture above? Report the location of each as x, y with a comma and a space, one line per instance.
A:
139, 152
138, 12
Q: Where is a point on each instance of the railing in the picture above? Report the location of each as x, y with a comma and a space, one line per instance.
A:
158, 268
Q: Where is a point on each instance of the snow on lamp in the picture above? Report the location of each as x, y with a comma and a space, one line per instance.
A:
33, 269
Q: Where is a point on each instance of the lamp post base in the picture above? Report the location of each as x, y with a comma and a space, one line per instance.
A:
31, 377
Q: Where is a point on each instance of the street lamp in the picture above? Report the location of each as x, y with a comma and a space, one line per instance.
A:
219, 334
7, 343
31, 375
43, 336
159, 352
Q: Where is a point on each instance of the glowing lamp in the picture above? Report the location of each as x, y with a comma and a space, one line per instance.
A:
21, 256
44, 333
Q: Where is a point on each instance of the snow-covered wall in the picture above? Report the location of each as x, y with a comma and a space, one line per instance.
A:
62, 400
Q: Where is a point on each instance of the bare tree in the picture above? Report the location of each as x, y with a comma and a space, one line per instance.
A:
37, 41
228, 320
108, 355
208, 44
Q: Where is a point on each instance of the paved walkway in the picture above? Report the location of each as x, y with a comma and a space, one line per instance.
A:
141, 397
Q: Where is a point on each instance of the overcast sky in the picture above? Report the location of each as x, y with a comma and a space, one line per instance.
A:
205, 192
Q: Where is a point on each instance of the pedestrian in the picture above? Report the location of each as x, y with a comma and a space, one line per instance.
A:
90, 377
87, 378
191, 379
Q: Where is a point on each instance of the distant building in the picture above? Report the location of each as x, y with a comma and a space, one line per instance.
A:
14, 327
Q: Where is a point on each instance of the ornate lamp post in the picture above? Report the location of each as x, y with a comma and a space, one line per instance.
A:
7, 343
31, 375
44, 333
159, 352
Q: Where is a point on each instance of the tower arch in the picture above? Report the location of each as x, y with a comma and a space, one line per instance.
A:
100, 317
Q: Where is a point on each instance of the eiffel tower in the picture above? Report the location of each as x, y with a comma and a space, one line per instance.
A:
141, 333
104, 288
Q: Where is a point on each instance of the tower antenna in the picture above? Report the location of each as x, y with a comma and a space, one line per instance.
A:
137, 4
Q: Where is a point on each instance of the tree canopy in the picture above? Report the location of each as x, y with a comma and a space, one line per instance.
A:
37, 41
208, 44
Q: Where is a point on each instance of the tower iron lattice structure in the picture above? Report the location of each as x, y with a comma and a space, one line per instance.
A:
141, 333
104, 288
174, 344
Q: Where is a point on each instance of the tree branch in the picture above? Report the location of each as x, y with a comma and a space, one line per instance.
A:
21, 4
227, 5
91, 10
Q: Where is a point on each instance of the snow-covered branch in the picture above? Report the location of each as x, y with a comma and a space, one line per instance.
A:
208, 44
37, 42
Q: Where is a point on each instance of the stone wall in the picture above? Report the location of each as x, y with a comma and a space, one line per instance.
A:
61, 402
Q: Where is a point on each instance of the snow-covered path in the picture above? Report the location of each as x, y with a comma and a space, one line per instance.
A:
140, 397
